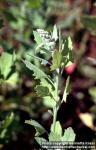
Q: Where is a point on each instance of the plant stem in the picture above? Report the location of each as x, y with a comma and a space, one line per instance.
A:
55, 109
57, 83
54, 117
65, 93
59, 40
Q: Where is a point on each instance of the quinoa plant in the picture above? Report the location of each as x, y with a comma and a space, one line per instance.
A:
59, 55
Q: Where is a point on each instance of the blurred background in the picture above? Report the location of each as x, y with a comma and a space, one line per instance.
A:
18, 19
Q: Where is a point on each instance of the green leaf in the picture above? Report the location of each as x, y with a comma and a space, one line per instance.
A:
49, 99
54, 136
58, 128
42, 90
70, 43
3, 133
40, 140
56, 62
43, 61
5, 64
38, 73
12, 79
48, 83
55, 33
89, 22
38, 39
47, 91
50, 96
69, 135
49, 102
67, 46
67, 55
39, 128
8, 120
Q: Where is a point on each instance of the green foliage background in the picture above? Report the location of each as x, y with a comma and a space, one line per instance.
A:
18, 20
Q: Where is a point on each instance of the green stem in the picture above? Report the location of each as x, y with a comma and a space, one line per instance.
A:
65, 93
54, 117
55, 109
59, 40
58, 103
57, 82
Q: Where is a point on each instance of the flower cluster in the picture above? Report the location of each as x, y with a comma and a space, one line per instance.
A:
47, 40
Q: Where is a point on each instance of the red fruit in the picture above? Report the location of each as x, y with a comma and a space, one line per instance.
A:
70, 69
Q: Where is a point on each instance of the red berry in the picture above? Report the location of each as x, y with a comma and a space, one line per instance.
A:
70, 69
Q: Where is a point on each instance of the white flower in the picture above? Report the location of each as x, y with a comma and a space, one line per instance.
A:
48, 42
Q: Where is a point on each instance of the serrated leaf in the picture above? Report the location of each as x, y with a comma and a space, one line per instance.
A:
42, 90
46, 83
54, 136
49, 100
38, 39
56, 62
40, 140
89, 22
38, 73
58, 128
69, 135
47, 91
39, 128
43, 61
49, 84
5, 64
55, 33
